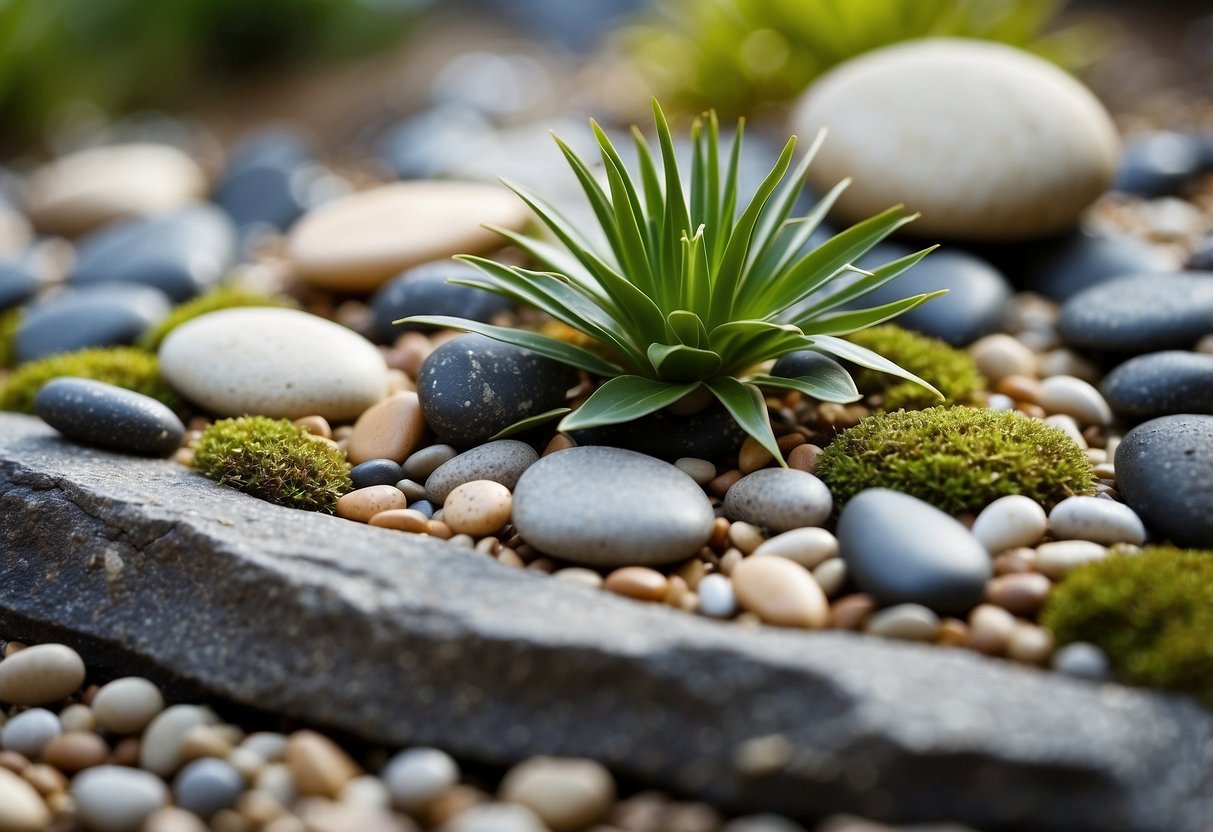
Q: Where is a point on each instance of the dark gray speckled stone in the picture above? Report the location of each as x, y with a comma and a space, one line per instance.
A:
1160, 384
1164, 471
1140, 314
96, 413
501, 461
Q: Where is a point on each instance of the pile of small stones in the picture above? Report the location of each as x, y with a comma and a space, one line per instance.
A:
117, 757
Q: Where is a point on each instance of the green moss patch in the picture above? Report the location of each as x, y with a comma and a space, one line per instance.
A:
956, 458
950, 370
274, 460
1151, 613
126, 367
10, 319
222, 297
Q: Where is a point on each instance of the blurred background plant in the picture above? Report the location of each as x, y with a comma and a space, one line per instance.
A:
120, 55
737, 55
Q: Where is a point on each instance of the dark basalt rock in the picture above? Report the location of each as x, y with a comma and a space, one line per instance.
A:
1164, 471
148, 568
1061, 269
424, 291
106, 315
1161, 384
96, 413
1140, 314
709, 434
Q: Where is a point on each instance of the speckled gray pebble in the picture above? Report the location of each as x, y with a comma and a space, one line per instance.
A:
779, 499
205, 786
29, 731
95, 413
1164, 472
1161, 384
1140, 314
501, 461
899, 549
611, 507
1101, 521
1083, 660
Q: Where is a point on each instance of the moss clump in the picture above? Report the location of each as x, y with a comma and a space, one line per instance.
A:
126, 367
10, 319
950, 370
1151, 613
956, 458
221, 297
274, 460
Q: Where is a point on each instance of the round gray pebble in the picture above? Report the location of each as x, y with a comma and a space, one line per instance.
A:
420, 464
29, 731
417, 777
1083, 660
205, 786
780, 499
502, 461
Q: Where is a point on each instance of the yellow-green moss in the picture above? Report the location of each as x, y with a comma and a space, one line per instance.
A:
1152, 614
221, 297
956, 458
10, 319
126, 367
950, 370
274, 460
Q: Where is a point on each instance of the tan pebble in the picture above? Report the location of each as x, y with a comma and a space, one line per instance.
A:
720, 534
184, 456
172, 819
40, 675
260, 807
410, 351
21, 807
1059, 558
851, 611
315, 425
489, 546
908, 622
637, 582
807, 546
127, 705
46, 779
745, 537
205, 741
318, 766
289, 823
126, 752
13, 761
249, 763
160, 749
391, 429
276, 780
75, 752
789, 441
567, 794
1024, 389
1105, 471
1014, 561
1021, 594
749, 619
675, 592
364, 503
579, 575
831, 576
559, 442
77, 718
12, 648
804, 458
1030, 644
780, 592
753, 456
462, 541
546, 565
690, 602
366, 792
729, 560
1001, 355
1096, 456
697, 469
1068, 426
952, 633
229, 820
401, 519
692, 572
508, 557
439, 529
454, 802
326, 441
478, 507
399, 382
990, 629
722, 483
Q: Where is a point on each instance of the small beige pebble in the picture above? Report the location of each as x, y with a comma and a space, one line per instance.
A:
752, 456
172, 819
275, 779
780, 592
127, 705
391, 429
1030, 644
1074, 397
160, 750
1019, 593
1067, 425
699, 470
40, 675
831, 575
1010, 522
366, 792
567, 794
75, 752
808, 546
478, 508
315, 425
21, 807
851, 611
268, 745
908, 622
77, 719
639, 582
1059, 558
401, 519
990, 629
579, 575
318, 766
745, 537
46, 779
364, 503
998, 356
205, 741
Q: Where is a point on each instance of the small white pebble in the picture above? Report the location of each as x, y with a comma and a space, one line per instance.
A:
716, 598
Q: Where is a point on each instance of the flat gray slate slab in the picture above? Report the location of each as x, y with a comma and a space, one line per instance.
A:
144, 565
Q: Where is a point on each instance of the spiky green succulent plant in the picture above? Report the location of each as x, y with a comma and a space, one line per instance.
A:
695, 288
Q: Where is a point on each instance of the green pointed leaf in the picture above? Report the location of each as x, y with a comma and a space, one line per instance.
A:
865, 285
623, 399
530, 422
570, 354
679, 362
866, 358
689, 328
844, 323
827, 384
747, 406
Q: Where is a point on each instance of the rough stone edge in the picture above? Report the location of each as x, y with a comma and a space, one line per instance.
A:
507, 664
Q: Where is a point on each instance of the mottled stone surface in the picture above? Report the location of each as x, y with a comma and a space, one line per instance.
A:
147, 568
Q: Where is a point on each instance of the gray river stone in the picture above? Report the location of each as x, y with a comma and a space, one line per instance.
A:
148, 569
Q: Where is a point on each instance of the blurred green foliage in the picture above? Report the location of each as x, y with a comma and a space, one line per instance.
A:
123, 54
735, 55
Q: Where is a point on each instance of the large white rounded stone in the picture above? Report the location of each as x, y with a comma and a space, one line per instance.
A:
986, 141
86, 189
273, 362
358, 243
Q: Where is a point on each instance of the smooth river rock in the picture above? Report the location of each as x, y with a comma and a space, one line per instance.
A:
779, 499
424, 290
107, 315
899, 549
116, 798
1164, 471
1061, 269
1096, 519
439, 647
503, 461
1161, 384
96, 413
356, 244
989, 142
1140, 314
611, 507
273, 362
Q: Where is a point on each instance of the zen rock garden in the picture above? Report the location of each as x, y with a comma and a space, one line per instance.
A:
846, 468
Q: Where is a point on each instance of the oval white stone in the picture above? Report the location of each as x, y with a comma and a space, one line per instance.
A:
1014, 520
274, 362
987, 141
1097, 520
